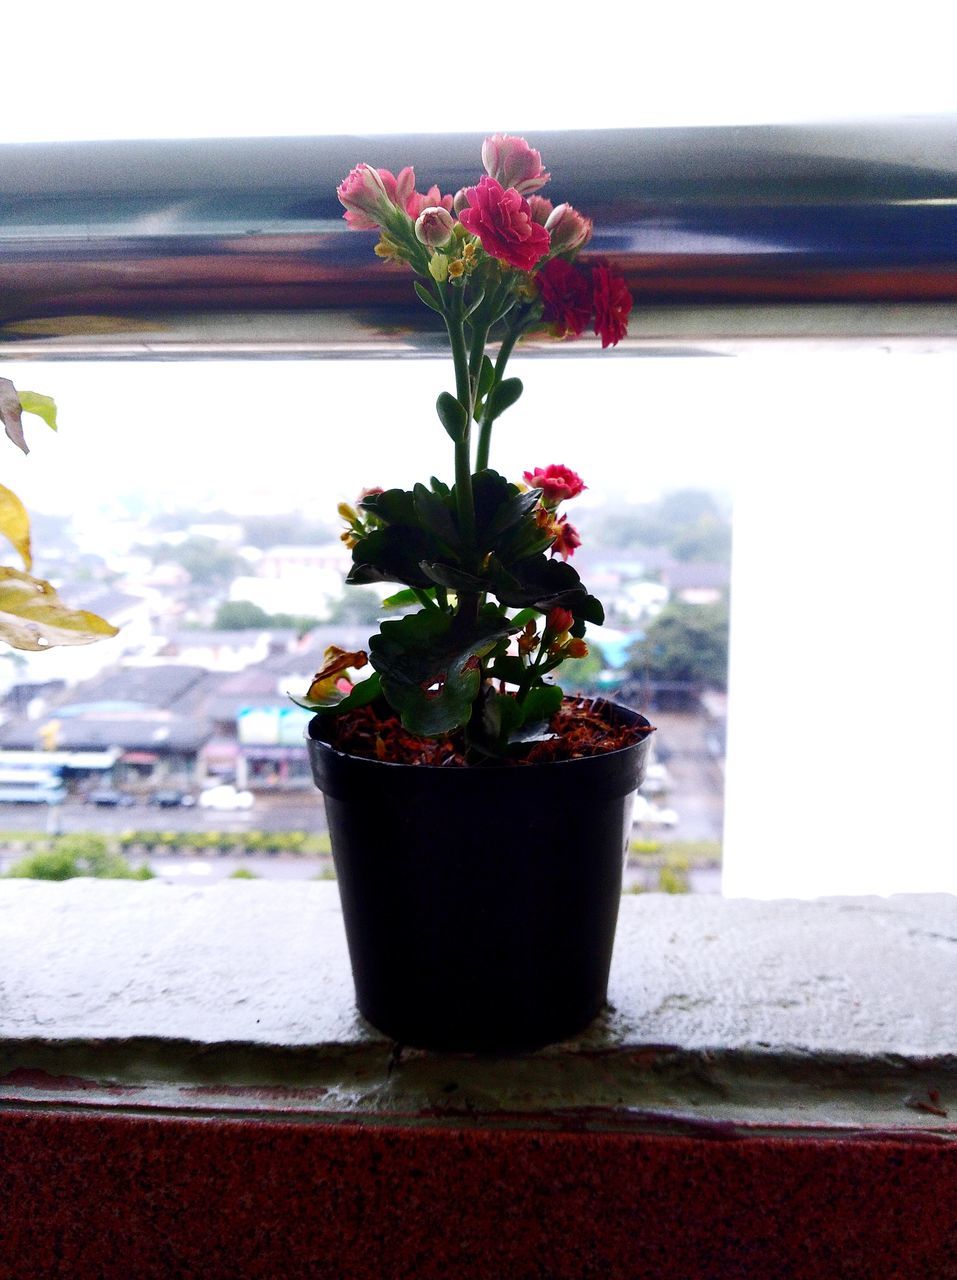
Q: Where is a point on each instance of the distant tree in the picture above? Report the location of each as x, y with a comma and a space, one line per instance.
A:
686, 642
204, 559
356, 607
708, 540
240, 615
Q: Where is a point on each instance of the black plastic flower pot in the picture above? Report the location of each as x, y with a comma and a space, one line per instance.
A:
480, 904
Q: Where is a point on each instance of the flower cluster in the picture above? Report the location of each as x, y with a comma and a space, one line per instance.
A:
517, 228
483, 561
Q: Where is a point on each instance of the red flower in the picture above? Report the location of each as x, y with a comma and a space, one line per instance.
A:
567, 296
502, 220
559, 620
612, 303
566, 540
556, 482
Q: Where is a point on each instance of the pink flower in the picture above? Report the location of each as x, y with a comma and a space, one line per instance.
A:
568, 229
556, 482
434, 227
566, 293
366, 196
541, 208
513, 163
433, 199
503, 222
566, 539
612, 303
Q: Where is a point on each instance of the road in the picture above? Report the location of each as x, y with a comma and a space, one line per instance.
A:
293, 812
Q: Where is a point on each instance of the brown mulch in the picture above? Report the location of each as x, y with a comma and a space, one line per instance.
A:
583, 727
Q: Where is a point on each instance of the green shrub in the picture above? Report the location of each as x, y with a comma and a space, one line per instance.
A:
75, 855
242, 873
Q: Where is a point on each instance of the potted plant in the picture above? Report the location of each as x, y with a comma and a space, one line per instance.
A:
478, 816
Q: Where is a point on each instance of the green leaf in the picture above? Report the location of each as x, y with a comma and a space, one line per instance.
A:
394, 506
43, 406
15, 524
436, 516
501, 716
393, 554
509, 668
427, 297
453, 415
401, 599
512, 510
439, 487
430, 666
525, 615
33, 617
503, 397
362, 694
540, 582
540, 704
447, 575
474, 306
486, 377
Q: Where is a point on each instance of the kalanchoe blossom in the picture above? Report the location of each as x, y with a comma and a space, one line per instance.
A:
434, 227
503, 222
432, 199
557, 483
559, 620
568, 229
513, 163
566, 296
576, 648
612, 303
567, 539
541, 209
366, 197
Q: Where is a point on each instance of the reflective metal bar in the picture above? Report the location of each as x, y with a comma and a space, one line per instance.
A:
238, 248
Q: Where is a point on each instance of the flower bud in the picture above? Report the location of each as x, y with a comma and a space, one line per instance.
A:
434, 227
576, 648
460, 200
559, 619
348, 513
567, 228
439, 268
541, 209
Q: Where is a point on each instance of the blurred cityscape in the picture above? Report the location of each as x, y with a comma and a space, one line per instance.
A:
177, 739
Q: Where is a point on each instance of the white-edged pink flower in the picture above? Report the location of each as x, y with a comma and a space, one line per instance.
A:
366, 198
432, 199
513, 163
567, 228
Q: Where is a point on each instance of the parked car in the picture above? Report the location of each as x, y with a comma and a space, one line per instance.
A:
109, 797
225, 797
171, 798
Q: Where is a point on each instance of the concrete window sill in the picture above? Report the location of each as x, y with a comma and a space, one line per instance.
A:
834, 1016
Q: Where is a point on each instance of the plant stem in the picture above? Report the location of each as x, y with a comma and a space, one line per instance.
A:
423, 597
485, 432
465, 502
